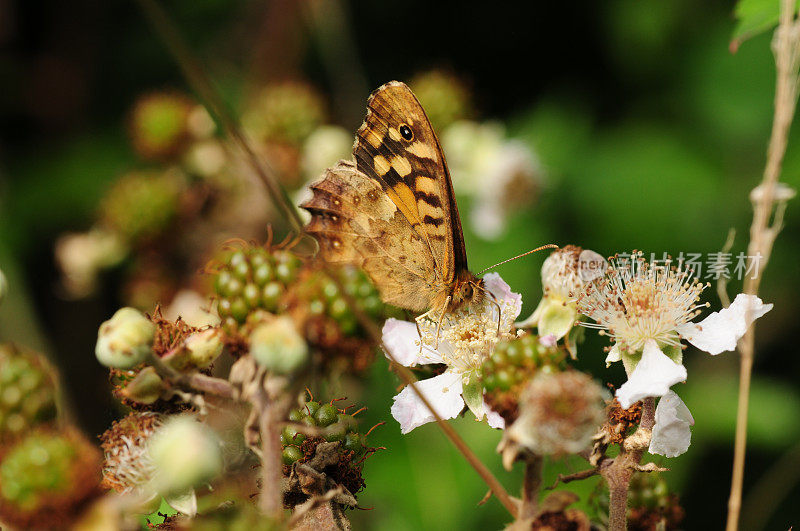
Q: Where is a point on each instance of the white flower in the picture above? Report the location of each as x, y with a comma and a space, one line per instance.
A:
564, 273
672, 433
647, 311
467, 337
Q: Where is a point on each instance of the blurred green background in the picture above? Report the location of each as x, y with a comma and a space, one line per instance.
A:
650, 131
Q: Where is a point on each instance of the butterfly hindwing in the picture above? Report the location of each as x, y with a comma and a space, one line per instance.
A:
355, 222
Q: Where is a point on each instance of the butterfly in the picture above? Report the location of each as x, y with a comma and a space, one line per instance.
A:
392, 211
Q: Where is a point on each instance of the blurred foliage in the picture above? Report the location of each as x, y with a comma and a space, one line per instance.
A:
654, 145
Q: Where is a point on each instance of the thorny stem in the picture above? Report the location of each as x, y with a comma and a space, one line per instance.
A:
786, 47
199, 81
619, 470
531, 485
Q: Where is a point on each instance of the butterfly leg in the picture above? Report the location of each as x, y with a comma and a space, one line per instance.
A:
417, 320
441, 318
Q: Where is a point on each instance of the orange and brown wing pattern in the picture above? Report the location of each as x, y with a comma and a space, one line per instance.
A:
356, 222
397, 147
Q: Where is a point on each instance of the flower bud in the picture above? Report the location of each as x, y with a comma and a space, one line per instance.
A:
145, 388
204, 347
277, 346
125, 340
185, 453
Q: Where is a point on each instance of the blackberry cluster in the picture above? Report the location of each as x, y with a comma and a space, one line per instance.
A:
344, 428
46, 478
28, 395
253, 278
511, 365
339, 426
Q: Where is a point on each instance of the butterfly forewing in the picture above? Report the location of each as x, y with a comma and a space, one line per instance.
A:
397, 147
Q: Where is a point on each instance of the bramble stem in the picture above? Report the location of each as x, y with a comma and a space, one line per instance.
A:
786, 47
531, 484
270, 500
619, 472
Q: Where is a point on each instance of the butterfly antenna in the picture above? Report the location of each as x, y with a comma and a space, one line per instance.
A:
543, 247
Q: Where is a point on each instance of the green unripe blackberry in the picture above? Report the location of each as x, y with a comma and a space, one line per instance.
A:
511, 365
353, 442
284, 112
326, 415
312, 407
291, 454
159, 125
142, 205
45, 477
28, 393
290, 435
253, 278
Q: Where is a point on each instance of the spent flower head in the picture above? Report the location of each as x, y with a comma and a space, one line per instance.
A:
558, 414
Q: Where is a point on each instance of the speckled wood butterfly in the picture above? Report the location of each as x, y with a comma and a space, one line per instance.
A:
393, 212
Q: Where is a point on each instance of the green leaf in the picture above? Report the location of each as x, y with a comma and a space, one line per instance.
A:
755, 17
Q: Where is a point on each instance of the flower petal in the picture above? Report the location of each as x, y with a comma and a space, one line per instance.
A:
494, 418
671, 434
653, 376
444, 393
557, 318
402, 340
720, 331
510, 302
548, 340
613, 355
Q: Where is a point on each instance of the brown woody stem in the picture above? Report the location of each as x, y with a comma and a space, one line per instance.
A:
619, 471
531, 485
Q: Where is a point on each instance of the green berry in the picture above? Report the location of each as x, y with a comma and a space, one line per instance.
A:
224, 307
372, 305
262, 274
352, 442
326, 415
291, 454
296, 415
290, 435
242, 271
504, 379
312, 407
239, 309
338, 308
272, 296
252, 295
316, 307
221, 284
330, 290
237, 258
